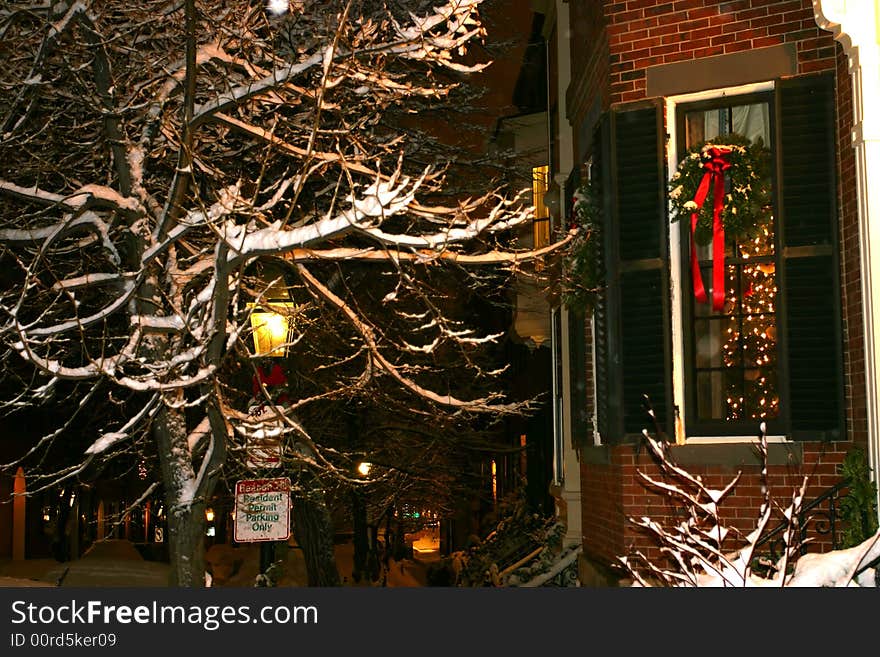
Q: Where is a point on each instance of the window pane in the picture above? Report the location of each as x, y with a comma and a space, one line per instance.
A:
760, 394
734, 356
751, 121
763, 244
711, 401
540, 184
710, 335
735, 351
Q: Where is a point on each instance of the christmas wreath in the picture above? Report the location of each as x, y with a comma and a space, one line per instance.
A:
745, 168
734, 172
582, 270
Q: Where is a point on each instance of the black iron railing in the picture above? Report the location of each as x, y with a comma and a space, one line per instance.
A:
819, 516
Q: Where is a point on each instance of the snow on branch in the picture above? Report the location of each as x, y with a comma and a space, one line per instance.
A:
488, 404
157, 161
85, 197
112, 438
488, 259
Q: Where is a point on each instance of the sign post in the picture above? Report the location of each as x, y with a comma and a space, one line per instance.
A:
264, 504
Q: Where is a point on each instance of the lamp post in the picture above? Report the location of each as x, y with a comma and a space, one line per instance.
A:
271, 326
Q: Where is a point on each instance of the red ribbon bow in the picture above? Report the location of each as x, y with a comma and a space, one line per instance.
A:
715, 167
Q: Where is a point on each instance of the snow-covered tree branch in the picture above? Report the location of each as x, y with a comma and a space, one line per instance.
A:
159, 156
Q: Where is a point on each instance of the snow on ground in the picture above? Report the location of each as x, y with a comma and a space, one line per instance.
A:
118, 563
7, 582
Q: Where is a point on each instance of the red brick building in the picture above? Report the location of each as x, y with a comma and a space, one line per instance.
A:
641, 84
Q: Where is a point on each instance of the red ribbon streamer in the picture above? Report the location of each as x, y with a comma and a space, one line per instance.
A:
275, 377
715, 167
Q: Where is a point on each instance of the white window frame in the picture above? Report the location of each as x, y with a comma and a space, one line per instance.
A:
676, 234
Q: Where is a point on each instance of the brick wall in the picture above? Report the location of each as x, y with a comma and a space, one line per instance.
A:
613, 492
591, 64
643, 33
617, 41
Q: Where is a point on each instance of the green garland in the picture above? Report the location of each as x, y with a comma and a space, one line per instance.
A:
748, 187
582, 269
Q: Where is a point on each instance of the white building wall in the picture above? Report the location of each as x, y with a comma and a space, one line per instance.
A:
855, 24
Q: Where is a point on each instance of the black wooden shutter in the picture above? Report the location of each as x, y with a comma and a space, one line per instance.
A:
637, 304
579, 413
811, 313
607, 405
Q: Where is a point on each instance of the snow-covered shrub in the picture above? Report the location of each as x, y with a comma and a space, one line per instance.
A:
703, 551
524, 549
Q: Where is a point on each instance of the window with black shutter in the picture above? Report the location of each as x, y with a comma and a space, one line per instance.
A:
579, 412
600, 175
809, 240
774, 352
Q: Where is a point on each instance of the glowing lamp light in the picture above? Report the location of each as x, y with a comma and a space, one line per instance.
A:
364, 468
209, 515
271, 328
494, 482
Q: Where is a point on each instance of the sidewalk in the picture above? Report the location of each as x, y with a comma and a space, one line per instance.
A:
113, 564
31, 572
105, 564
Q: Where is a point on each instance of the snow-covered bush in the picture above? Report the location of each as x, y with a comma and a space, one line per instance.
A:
702, 551
524, 549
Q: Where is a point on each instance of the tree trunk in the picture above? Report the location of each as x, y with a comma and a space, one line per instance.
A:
359, 537
186, 529
185, 512
313, 530
399, 547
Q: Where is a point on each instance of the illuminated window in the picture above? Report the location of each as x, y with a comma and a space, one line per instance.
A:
541, 227
731, 354
494, 482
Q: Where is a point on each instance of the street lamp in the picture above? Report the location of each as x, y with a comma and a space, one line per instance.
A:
271, 327
270, 319
210, 530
